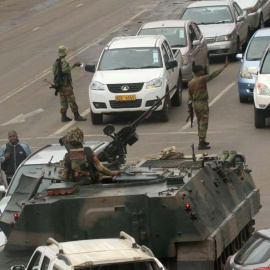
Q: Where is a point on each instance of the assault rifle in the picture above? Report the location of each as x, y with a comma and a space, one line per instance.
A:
115, 152
191, 113
53, 87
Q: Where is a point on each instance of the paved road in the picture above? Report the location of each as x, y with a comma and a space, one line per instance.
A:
30, 33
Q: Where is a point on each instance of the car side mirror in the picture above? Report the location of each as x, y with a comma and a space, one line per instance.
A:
253, 70
18, 267
90, 68
196, 43
240, 18
239, 56
171, 64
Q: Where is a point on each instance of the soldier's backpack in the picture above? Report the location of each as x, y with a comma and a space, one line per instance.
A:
57, 72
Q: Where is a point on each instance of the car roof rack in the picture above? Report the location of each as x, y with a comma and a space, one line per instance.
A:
130, 238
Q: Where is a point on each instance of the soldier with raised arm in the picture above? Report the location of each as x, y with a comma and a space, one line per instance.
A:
198, 95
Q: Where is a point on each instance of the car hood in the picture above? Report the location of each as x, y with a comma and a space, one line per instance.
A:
214, 30
127, 76
244, 4
265, 79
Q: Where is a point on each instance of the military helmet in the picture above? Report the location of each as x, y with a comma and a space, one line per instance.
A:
75, 136
62, 51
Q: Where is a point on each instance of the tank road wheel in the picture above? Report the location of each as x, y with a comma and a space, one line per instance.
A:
259, 119
177, 97
163, 115
96, 118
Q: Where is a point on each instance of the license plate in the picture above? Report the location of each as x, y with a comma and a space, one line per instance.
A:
125, 97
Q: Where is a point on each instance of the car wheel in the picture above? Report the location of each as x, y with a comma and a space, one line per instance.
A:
243, 99
97, 118
177, 97
163, 115
232, 57
259, 119
244, 46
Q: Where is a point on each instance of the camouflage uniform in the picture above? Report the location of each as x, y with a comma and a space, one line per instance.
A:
198, 94
67, 97
66, 89
77, 169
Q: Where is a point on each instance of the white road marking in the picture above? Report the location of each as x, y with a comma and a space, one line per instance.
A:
225, 90
21, 118
36, 28
62, 129
79, 5
71, 56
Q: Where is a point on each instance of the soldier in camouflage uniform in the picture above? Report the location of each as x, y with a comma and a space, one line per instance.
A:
198, 95
63, 80
76, 165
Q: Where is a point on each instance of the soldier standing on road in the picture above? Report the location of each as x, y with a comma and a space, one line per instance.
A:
12, 154
80, 163
63, 81
198, 95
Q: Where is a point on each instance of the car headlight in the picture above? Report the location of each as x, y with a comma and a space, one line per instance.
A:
262, 90
184, 60
97, 86
154, 83
224, 38
245, 74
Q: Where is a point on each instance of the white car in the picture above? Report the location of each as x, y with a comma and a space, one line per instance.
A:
258, 12
261, 92
131, 73
96, 254
186, 36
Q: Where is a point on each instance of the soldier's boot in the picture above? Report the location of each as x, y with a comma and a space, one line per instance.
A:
65, 118
203, 146
78, 117
202, 139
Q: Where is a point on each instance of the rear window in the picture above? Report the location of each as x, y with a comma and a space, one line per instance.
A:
257, 47
176, 36
256, 250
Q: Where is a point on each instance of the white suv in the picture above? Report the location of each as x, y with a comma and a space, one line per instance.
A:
131, 73
97, 254
261, 92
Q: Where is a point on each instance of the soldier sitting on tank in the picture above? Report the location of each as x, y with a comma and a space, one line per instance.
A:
81, 165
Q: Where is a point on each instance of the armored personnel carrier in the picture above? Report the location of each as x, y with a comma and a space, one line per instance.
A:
192, 212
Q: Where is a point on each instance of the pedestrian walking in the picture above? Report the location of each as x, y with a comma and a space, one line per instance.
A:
12, 154
63, 82
198, 95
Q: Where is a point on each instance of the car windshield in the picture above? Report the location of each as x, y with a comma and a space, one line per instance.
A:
130, 58
139, 265
266, 64
176, 36
257, 47
209, 15
256, 250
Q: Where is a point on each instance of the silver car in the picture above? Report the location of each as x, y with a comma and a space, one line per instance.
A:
258, 12
184, 35
254, 254
223, 23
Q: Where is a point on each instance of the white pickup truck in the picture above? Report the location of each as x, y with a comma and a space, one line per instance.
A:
97, 254
131, 73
